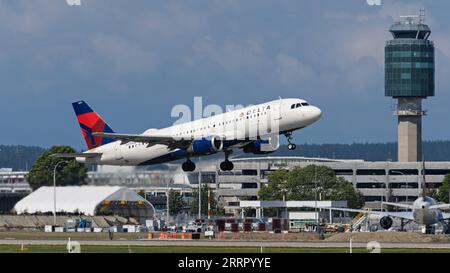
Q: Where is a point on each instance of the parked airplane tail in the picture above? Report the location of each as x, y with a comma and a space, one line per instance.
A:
91, 122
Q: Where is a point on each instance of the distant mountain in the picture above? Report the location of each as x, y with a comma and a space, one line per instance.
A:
18, 157
22, 157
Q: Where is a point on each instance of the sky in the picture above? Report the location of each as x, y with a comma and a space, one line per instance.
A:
133, 61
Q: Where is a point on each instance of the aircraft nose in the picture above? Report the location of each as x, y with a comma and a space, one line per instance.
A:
316, 113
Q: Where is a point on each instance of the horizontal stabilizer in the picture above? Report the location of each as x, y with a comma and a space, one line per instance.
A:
74, 155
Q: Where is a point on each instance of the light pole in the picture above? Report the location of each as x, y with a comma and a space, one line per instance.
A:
54, 190
315, 198
199, 191
285, 191
167, 200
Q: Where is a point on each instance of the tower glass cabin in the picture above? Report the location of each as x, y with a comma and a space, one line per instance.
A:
409, 61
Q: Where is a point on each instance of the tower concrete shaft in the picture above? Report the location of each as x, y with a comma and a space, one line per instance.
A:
409, 112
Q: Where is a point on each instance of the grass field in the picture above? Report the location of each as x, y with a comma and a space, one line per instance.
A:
177, 249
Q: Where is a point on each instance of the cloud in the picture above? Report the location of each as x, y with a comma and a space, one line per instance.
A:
292, 71
160, 53
123, 56
233, 56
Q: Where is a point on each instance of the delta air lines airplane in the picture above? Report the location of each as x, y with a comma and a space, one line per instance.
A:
254, 129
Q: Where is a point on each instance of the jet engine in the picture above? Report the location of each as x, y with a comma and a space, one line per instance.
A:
386, 222
206, 146
255, 147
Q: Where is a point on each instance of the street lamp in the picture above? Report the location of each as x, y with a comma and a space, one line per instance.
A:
315, 198
167, 200
54, 189
285, 191
199, 191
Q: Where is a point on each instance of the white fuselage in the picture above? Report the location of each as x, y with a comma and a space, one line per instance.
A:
422, 212
238, 126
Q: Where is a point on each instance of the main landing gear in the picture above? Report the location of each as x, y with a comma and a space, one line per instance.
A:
291, 146
188, 166
227, 165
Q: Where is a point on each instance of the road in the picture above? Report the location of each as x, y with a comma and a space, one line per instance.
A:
228, 243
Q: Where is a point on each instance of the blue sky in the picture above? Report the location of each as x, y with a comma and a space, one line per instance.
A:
134, 60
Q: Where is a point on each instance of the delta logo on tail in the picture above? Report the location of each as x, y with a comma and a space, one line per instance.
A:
91, 122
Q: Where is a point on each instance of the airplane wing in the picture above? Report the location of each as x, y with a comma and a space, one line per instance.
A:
406, 206
74, 155
150, 140
440, 206
403, 214
445, 216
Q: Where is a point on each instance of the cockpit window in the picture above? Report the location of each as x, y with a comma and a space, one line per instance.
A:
298, 105
292, 106
305, 104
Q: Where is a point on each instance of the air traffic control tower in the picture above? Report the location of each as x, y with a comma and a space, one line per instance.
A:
409, 78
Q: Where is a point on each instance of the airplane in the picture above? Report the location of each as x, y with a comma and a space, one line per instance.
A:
425, 211
254, 129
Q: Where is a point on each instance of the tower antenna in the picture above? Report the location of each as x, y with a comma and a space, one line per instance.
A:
422, 16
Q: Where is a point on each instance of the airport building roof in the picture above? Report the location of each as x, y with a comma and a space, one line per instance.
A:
292, 204
86, 200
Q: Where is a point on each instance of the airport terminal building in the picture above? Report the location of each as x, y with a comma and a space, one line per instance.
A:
377, 181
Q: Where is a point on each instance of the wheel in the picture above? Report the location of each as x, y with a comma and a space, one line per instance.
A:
226, 165
223, 166
188, 166
230, 165
292, 146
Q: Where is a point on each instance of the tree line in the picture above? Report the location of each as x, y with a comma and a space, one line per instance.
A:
433, 151
19, 157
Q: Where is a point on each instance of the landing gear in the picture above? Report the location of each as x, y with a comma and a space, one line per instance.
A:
445, 227
227, 165
291, 146
429, 229
188, 166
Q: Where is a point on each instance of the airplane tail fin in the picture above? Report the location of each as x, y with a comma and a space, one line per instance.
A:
91, 122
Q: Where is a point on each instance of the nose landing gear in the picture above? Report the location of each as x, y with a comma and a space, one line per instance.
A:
291, 146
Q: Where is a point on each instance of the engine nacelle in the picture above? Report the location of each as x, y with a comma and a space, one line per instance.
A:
206, 146
386, 222
255, 147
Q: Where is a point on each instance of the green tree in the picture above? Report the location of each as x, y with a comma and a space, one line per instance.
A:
444, 190
71, 173
300, 184
176, 203
216, 208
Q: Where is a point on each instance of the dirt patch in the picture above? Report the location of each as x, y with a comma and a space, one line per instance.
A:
266, 236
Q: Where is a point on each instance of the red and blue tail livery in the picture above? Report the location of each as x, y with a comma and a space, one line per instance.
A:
91, 122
